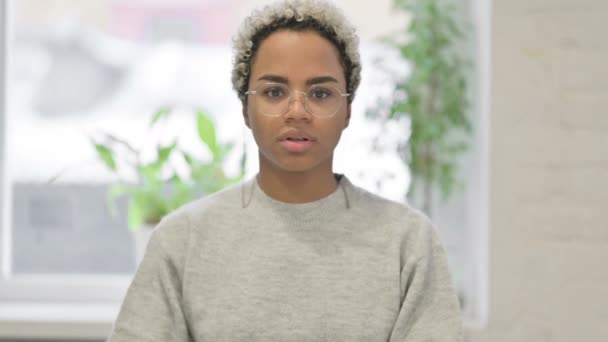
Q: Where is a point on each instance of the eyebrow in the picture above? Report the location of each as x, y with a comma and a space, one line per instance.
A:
322, 79
310, 81
273, 78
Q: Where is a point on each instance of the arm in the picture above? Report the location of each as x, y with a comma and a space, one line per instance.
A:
152, 309
429, 305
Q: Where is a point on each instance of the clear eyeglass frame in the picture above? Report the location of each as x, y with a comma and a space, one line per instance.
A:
307, 102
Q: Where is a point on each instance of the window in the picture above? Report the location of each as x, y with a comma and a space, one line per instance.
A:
74, 68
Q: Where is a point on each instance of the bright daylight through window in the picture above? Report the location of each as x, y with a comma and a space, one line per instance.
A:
80, 69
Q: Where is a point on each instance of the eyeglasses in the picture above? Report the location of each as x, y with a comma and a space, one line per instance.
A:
275, 99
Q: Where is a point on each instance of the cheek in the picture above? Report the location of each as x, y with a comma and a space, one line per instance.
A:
262, 129
332, 133
336, 126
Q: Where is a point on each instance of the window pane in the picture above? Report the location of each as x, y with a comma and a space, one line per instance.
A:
81, 68
64, 228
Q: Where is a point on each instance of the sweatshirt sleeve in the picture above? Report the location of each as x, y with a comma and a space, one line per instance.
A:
429, 310
152, 308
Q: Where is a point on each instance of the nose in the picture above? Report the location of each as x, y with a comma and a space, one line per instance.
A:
297, 108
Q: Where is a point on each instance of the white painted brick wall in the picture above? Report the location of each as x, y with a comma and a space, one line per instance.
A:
549, 177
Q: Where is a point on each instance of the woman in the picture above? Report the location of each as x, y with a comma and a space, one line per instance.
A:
297, 253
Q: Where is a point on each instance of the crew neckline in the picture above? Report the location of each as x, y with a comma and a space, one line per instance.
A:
316, 211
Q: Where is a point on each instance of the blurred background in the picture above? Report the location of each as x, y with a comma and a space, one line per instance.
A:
521, 226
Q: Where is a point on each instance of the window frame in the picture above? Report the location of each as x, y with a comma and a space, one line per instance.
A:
33, 305
479, 212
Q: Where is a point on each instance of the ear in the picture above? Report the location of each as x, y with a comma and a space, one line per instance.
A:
347, 119
245, 115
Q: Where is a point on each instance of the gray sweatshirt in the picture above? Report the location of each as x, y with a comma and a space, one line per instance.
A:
349, 267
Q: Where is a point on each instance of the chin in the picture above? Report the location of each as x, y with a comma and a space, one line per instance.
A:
296, 166
293, 163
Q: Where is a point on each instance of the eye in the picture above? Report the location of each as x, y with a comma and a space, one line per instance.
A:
320, 93
274, 92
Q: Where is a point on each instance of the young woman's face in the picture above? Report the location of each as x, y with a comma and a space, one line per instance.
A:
296, 60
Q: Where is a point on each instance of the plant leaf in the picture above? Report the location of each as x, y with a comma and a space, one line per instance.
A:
146, 206
155, 206
136, 214
183, 193
162, 113
151, 176
206, 131
116, 191
165, 152
105, 154
188, 158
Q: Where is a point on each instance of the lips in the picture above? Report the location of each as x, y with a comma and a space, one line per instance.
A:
296, 141
296, 135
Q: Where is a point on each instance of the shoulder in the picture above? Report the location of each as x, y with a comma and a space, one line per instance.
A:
227, 199
382, 207
411, 226
174, 231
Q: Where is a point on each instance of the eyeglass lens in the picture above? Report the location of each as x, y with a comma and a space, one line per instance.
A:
275, 99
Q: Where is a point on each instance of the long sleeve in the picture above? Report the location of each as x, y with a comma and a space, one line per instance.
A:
429, 305
152, 309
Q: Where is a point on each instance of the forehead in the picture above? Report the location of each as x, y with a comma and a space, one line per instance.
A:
297, 55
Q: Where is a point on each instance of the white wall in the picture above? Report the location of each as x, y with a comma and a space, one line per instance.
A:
549, 172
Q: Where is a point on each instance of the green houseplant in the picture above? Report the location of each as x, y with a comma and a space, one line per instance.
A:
158, 188
433, 97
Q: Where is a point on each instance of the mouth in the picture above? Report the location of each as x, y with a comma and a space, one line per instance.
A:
296, 139
296, 145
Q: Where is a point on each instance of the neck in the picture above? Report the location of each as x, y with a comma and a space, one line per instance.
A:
296, 187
